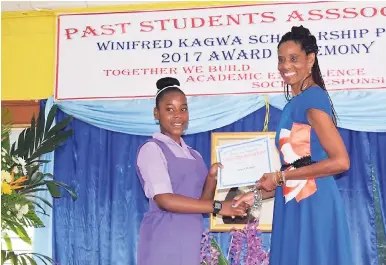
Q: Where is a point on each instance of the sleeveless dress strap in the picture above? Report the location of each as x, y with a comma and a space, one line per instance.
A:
165, 149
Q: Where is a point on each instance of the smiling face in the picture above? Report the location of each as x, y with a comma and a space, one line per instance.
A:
172, 114
294, 64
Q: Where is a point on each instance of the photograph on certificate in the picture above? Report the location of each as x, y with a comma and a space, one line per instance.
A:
244, 162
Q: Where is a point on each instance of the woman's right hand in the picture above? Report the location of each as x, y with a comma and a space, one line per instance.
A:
229, 210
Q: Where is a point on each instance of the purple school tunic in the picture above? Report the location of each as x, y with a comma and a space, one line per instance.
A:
167, 238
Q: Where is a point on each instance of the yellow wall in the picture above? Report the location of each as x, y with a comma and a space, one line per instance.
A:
28, 47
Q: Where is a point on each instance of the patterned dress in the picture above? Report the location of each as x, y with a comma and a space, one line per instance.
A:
309, 225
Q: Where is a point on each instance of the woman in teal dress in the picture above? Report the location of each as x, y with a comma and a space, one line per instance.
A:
309, 223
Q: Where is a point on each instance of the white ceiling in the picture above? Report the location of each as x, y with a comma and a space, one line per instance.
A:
50, 5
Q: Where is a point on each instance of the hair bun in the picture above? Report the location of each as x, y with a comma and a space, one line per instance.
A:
166, 82
300, 32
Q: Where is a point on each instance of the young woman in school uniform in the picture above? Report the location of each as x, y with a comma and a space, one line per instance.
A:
178, 184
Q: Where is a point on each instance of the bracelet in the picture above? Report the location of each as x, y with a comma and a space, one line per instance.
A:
279, 178
274, 179
283, 176
258, 198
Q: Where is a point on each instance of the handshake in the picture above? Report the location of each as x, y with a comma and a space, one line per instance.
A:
241, 204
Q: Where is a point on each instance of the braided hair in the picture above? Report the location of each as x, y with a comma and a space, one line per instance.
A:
307, 42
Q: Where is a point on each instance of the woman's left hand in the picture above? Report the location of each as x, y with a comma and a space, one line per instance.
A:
266, 182
214, 169
248, 198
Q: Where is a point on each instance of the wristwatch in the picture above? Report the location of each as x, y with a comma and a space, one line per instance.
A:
217, 205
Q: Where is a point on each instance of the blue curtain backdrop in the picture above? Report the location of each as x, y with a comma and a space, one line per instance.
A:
378, 147
101, 227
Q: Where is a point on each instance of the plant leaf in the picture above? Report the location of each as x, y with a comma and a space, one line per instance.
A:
19, 230
23, 261
33, 191
30, 187
32, 169
40, 128
59, 126
13, 258
53, 189
42, 258
50, 144
38, 161
49, 175
50, 119
20, 142
22, 233
31, 142
68, 189
3, 256
31, 260
13, 148
8, 241
36, 177
33, 220
24, 148
39, 198
40, 207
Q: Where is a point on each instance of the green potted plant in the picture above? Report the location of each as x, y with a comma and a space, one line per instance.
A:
21, 178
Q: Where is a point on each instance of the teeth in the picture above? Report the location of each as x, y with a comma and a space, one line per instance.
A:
177, 124
289, 74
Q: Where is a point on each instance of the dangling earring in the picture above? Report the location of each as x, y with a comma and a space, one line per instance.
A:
305, 85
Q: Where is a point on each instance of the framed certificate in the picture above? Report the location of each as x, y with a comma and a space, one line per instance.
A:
249, 145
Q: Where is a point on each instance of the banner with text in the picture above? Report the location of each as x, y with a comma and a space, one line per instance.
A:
220, 50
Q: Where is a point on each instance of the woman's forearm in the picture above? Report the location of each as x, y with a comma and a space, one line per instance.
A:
323, 168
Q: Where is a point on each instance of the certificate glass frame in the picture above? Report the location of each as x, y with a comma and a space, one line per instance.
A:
225, 224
